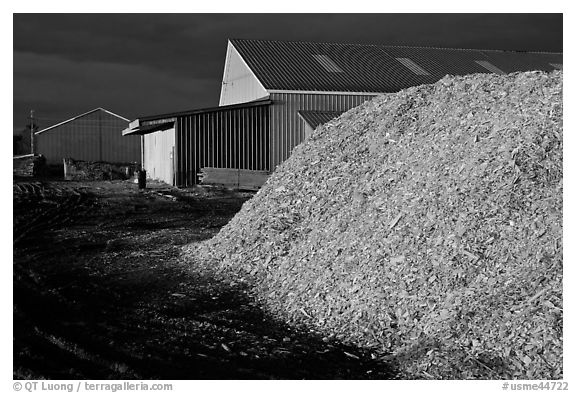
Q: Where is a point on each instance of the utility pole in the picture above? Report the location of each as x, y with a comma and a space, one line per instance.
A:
32, 131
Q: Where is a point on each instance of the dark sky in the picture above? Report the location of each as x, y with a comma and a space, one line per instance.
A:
144, 64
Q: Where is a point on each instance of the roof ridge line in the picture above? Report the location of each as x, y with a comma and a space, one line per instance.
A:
391, 46
77, 117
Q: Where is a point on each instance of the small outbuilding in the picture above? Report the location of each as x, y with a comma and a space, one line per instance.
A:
92, 136
274, 93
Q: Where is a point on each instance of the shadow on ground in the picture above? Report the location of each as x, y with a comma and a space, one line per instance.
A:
98, 295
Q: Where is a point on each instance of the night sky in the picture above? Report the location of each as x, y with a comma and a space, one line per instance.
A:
145, 64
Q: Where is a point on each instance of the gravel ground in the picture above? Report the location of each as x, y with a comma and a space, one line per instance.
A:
100, 292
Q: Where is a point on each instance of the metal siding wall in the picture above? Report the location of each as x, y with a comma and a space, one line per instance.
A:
78, 139
288, 129
222, 139
115, 147
157, 148
179, 142
96, 136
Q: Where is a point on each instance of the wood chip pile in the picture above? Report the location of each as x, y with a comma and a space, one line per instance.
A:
426, 225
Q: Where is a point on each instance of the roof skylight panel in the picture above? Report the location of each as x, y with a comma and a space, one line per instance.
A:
490, 67
415, 68
327, 63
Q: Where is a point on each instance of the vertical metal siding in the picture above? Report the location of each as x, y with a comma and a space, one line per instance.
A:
288, 130
115, 147
97, 136
234, 138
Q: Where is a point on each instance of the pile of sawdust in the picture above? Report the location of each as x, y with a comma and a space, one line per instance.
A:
425, 224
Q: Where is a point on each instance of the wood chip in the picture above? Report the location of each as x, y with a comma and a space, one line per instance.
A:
351, 355
395, 221
384, 231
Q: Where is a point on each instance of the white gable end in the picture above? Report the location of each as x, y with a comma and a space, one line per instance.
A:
239, 84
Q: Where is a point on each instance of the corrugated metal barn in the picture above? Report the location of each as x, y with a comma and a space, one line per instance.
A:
275, 93
92, 136
176, 146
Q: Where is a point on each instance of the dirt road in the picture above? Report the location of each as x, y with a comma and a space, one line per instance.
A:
100, 293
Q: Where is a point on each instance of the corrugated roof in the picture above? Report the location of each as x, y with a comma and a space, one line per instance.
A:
490, 67
294, 66
415, 68
317, 118
327, 63
261, 101
146, 124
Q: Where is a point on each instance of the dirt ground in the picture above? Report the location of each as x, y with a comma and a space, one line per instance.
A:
101, 293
